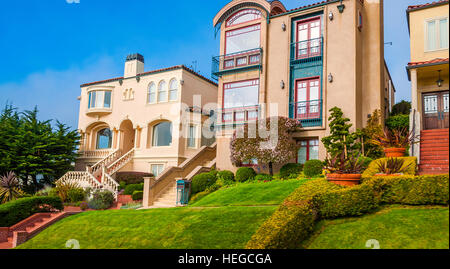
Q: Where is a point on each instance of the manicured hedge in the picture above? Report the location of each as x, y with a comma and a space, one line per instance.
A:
137, 195
291, 170
130, 189
373, 167
15, 211
244, 174
411, 190
313, 168
202, 181
132, 177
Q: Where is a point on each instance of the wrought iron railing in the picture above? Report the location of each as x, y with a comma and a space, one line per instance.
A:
309, 113
307, 50
236, 61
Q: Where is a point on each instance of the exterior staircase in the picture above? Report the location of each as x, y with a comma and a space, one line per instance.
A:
434, 152
100, 175
161, 192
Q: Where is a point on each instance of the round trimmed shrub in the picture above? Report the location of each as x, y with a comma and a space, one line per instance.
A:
202, 181
263, 177
137, 195
244, 174
130, 189
291, 170
313, 168
101, 200
225, 175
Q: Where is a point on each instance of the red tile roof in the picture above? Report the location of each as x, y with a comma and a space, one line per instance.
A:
153, 72
311, 5
435, 61
427, 5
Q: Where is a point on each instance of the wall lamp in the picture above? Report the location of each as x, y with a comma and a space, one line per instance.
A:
283, 27
440, 81
341, 7
330, 16
282, 84
330, 78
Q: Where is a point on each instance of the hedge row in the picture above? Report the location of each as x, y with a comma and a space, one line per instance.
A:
294, 220
20, 209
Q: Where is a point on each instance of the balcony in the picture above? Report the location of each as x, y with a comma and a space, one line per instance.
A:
238, 115
236, 62
307, 51
309, 113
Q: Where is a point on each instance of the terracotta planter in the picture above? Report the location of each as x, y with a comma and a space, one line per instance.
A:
395, 152
344, 179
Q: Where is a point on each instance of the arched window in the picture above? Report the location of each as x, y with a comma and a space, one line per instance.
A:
151, 95
104, 139
243, 16
162, 92
173, 92
162, 134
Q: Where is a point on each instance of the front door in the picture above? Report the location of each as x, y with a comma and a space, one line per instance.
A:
436, 110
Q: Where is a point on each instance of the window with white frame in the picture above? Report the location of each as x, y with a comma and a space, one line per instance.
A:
243, 16
173, 92
99, 99
157, 169
243, 39
436, 34
162, 91
151, 93
241, 94
191, 139
309, 150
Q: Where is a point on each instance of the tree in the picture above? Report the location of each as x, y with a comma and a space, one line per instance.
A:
37, 153
401, 108
373, 128
276, 146
341, 140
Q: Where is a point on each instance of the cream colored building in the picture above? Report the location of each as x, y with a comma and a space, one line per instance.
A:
428, 71
306, 61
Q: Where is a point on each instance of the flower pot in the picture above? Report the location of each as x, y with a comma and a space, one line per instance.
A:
344, 179
395, 152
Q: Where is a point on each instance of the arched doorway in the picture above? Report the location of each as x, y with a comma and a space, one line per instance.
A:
127, 140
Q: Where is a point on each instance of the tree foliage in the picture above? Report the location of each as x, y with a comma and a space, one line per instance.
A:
35, 151
401, 108
373, 128
262, 141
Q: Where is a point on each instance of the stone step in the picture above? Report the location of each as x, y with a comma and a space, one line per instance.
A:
434, 157
434, 162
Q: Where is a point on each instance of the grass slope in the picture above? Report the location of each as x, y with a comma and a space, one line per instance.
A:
394, 227
254, 193
177, 228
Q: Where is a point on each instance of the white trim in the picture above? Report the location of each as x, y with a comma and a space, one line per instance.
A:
438, 33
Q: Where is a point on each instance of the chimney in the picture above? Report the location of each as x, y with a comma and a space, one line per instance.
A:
134, 65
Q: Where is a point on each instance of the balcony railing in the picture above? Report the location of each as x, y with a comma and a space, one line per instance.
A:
236, 61
309, 113
238, 115
307, 50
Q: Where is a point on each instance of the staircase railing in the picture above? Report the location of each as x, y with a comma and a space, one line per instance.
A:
81, 177
105, 161
110, 184
120, 163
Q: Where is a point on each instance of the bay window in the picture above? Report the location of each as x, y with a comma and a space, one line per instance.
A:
99, 99
241, 100
309, 150
243, 39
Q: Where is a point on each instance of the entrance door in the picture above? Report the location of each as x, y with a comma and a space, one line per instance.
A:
436, 110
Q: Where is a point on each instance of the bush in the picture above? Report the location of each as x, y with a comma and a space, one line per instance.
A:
202, 181
398, 122
122, 185
291, 170
411, 190
84, 206
137, 195
20, 209
263, 177
373, 168
132, 177
101, 200
225, 175
76, 195
313, 168
130, 189
244, 174
366, 161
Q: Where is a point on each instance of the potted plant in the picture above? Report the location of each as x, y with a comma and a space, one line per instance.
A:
345, 171
394, 142
392, 167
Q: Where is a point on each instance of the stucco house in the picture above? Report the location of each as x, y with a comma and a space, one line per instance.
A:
428, 72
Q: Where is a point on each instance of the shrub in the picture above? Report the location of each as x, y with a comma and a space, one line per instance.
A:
263, 177
291, 170
62, 190
101, 200
225, 178
398, 122
202, 181
137, 195
84, 206
132, 177
20, 209
373, 168
122, 185
130, 189
365, 162
76, 195
244, 174
313, 168
411, 190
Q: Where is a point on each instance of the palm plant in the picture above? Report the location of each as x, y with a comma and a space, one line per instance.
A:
9, 188
62, 189
392, 166
401, 138
339, 164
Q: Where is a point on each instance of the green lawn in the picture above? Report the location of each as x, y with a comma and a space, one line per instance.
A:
393, 227
248, 194
177, 228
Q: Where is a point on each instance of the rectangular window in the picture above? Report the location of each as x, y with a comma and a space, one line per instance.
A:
107, 100
157, 169
243, 39
241, 94
192, 136
308, 38
309, 150
308, 99
99, 99
436, 34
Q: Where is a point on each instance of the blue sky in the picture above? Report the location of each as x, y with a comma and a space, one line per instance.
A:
51, 47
